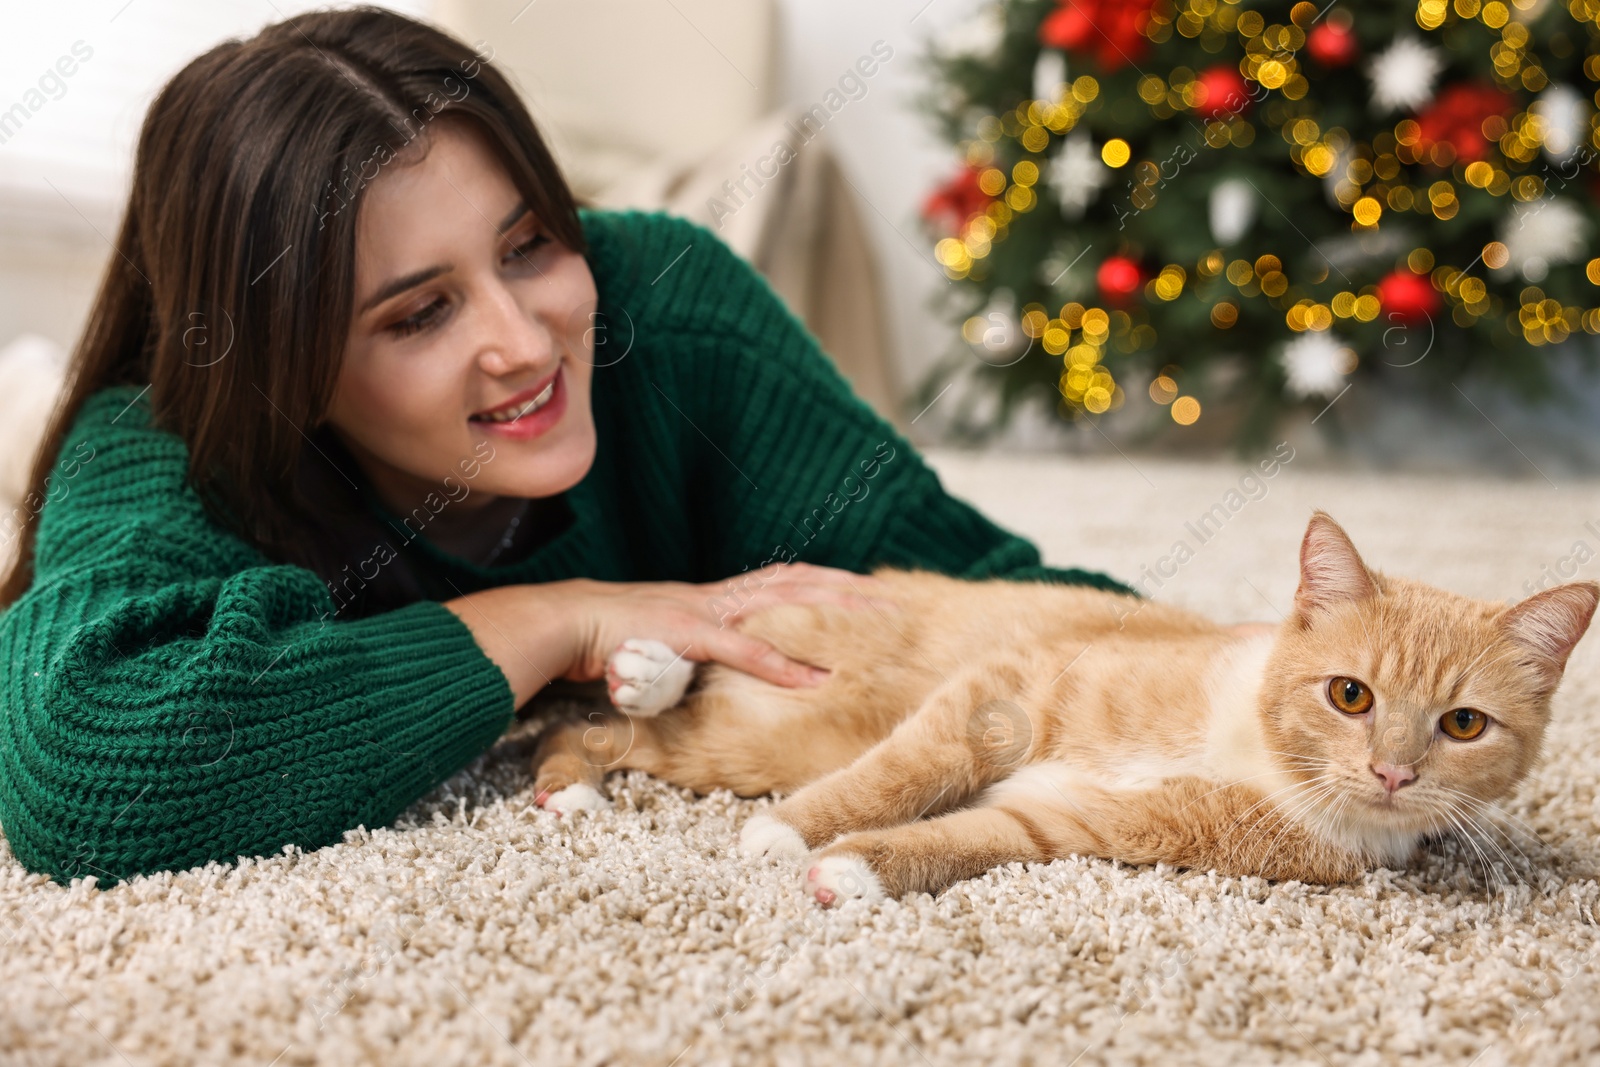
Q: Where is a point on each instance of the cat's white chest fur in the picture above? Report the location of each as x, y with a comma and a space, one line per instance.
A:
1235, 748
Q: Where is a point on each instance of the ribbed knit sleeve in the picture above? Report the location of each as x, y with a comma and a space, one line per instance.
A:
169, 697
786, 453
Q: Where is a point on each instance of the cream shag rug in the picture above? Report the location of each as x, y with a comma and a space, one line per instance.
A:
480, 930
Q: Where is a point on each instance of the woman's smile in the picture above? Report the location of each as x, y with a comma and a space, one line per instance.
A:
528, 414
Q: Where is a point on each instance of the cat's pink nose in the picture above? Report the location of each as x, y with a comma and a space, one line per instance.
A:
1394, 777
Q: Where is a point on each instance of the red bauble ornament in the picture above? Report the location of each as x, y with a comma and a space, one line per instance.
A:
1220, 91
1119, 279
1331, 45
1407, 298
1456, 118
1112, 29
957, 200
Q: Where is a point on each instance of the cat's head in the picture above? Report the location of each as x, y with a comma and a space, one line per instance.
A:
1398, 705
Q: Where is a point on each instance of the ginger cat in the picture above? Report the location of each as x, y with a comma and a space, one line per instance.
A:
971, 724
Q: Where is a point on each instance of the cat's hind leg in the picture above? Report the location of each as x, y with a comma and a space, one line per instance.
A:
643, 678
1040, 813
923, 856
970, 732
574, 757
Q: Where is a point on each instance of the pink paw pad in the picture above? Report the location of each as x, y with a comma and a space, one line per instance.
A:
822, 893
839, 877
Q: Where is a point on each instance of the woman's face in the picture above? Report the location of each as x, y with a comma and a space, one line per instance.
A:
469, 346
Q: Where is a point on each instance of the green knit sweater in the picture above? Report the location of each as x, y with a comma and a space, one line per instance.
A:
170, 696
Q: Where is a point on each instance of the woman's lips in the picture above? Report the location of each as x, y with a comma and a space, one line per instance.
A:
519, 405
538, 413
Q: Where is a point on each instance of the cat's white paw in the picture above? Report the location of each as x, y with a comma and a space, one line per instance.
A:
576, 797
840, 877
646, 677
765, 836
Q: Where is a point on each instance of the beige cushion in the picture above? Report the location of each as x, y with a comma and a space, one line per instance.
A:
618, 84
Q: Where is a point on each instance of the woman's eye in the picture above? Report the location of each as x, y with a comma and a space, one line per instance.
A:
1349, 695
527, 248
1463, 724
418, 321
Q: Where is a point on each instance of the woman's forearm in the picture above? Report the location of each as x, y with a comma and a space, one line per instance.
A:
529, 631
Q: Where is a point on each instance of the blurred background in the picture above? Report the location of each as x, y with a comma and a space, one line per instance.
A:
968, 298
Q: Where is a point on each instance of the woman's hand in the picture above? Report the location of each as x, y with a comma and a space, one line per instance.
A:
568, 629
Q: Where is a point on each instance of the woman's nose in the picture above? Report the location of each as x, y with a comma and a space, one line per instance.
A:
513, 338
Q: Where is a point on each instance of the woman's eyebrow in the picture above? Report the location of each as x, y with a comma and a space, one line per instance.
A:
416, 278
511, 219
401, 284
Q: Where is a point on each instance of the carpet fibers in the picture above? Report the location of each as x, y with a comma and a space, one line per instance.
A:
480, 930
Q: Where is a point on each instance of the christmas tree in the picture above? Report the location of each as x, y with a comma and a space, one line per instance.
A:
1254, 203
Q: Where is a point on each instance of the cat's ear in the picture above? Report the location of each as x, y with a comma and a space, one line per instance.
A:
1548, 624
1331, 570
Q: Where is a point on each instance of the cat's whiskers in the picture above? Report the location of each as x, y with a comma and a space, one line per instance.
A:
1336, 815
1493, 809
1298, 761
1306, 811
1229, 784
1296, 816
1269, 798
1310, 793
1237, 844
1483, 824
1488, 814
1466, 818
1465, 835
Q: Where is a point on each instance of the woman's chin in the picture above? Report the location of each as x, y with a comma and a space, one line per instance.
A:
551, 471
544, 466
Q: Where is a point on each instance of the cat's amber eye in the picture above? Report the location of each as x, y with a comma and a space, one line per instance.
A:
1349, 695
1463, 724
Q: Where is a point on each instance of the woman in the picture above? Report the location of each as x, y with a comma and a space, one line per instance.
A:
373, 433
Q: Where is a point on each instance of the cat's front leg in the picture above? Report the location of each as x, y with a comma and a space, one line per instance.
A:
645, 677
1048, 812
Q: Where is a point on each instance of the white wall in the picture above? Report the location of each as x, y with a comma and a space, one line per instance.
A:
889, 151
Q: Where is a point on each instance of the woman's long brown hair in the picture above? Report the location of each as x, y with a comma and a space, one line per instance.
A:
240, 231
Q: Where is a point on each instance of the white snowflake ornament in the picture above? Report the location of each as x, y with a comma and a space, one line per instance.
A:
1049, 75
1316, 363
1078, 174
1403, 75
1543, 232
1232, 209
1563, 120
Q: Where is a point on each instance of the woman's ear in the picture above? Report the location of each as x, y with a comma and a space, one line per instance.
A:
1331, 570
